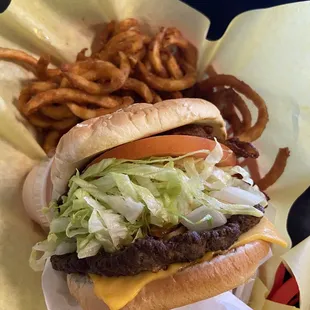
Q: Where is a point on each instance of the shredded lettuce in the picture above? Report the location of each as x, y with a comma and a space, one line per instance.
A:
231, 209
239, 170
87, 246
115, 201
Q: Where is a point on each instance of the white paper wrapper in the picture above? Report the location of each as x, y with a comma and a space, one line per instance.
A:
269, 49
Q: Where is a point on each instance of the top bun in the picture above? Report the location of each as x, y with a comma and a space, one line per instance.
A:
90, 138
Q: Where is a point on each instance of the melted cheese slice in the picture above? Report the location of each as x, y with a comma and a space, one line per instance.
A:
116, 292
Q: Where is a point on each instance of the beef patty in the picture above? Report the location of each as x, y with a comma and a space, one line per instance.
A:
153, 254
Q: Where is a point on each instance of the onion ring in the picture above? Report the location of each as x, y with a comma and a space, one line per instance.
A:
234, 121
230, 115
87, 113
227, 109
51, 140
257, 129
252, 166
58, 112
276, 170
63, 95
140, 88
226, 98
154, 54
239, 103
162, 84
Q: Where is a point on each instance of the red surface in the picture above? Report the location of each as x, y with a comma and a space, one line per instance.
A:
286, 293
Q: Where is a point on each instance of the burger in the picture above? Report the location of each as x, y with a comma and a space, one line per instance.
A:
151, 210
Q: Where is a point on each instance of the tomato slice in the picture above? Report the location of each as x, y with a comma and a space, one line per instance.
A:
172, 145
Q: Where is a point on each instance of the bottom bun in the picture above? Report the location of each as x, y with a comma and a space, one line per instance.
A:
192, 284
